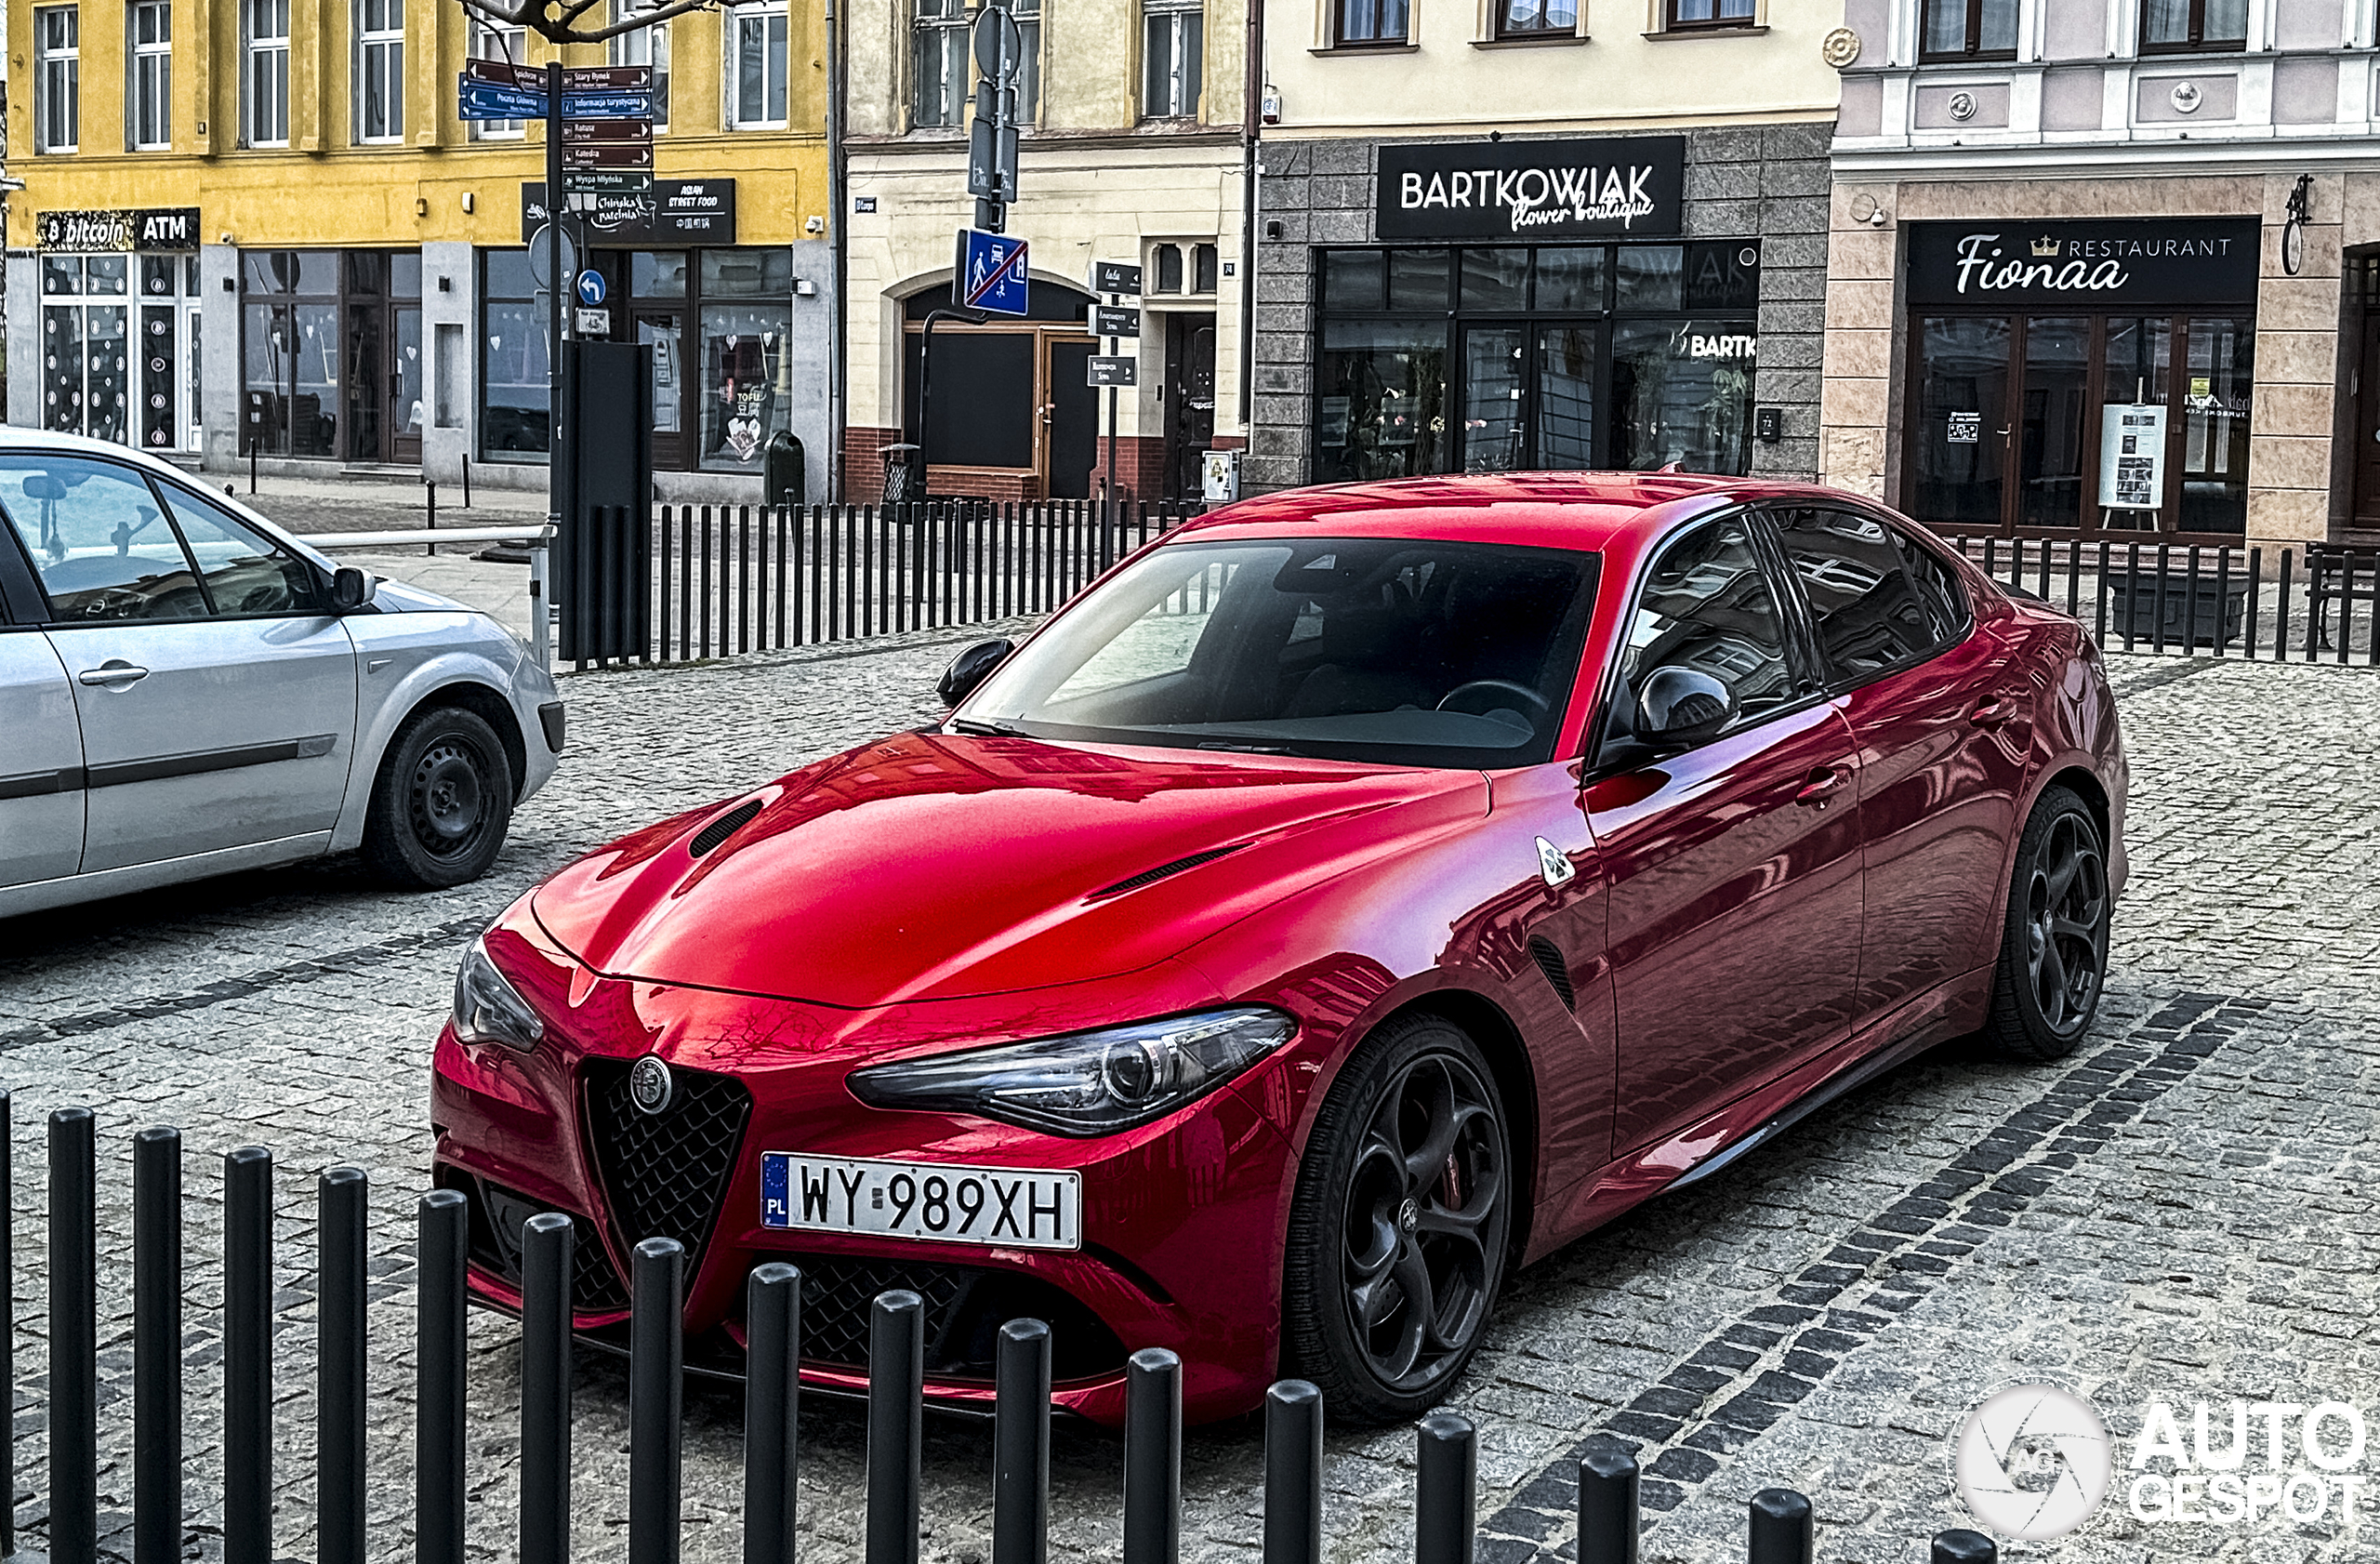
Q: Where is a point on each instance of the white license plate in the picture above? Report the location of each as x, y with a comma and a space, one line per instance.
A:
1013, 1208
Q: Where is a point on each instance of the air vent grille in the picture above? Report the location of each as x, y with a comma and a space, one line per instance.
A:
723, 827
1162, 871
1557, 971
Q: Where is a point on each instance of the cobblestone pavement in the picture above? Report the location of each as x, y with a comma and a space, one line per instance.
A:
2181, 1210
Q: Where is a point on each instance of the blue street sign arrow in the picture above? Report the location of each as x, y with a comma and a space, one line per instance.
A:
607, 105
992, 273
592, 289
483, 100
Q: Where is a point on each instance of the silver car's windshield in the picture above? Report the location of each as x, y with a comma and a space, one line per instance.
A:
1399, 651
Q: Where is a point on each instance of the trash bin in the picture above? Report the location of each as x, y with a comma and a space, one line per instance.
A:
905, 477
783, 468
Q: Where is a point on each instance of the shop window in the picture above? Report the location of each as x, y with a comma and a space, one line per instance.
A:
1569, 281
58, 78
1203, 265
448, 377
508, 44
940, 65
1968, 30
1687, 15
756, 71
1028, 76
1168, 268
1536, 18
148, 108
1652, 277
85, 320
264, 80
1495, 280
1682, 393
2193, 26
657, 273
290, 352
747, 386
646, 45
379, 106
1362, 22
1172, 56
1380, 400
515, 413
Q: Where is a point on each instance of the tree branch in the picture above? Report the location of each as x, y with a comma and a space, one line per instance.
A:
557, 20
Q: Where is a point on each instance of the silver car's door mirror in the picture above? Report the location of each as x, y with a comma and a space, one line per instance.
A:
351, 588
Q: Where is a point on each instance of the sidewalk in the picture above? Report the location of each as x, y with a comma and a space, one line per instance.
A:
364, 504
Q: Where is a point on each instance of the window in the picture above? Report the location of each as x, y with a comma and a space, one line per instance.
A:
380, 69
2185, 26
1968, 30
748, 371
1535, 19
99, 541
755, 73
1868, 615
86, 318
939, 102
58, 78
1168, 268
1202, 266
1706, 609
1173, 51
1686, 16
1028, 76
290, 348
148, 107
264, 83
244, 575
1368, 21
646, 45
515, 396
490, 41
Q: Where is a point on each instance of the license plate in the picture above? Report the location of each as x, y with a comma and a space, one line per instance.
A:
1014, 1208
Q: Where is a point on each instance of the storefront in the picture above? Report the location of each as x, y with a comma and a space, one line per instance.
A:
118, 326
331, 354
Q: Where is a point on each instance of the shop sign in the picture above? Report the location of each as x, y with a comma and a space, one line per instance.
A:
2178, 261
148, 230
669, 212
1532, 190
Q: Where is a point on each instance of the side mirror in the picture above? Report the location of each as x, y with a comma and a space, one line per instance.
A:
1681, 706
970, 668
351, 588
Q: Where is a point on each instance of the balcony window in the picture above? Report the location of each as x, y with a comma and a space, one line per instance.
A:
1173, 55
940, 66
1028, 76
756, 38
2193, 26
380, 70
58, 78
148, 108
264, 78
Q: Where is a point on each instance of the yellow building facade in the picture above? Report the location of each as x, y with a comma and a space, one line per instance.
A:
263, 223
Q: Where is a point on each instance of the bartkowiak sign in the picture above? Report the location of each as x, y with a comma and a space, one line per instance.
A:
2153, 261
671, 211
1532, 190
148, 228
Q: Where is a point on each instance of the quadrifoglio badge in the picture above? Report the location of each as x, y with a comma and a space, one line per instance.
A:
2035, 1461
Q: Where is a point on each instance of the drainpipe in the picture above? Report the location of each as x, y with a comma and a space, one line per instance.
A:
1251, 126
838, 341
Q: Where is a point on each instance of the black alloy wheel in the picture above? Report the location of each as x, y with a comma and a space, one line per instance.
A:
1398, 1234
443, 801
2054, 950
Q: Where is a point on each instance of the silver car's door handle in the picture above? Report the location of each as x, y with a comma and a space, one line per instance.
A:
116, 671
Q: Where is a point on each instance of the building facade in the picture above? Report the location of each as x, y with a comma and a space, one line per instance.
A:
261, 225
2109, 268
1537, 233
1130, 152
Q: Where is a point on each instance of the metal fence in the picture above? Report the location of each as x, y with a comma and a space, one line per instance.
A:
1781, 1527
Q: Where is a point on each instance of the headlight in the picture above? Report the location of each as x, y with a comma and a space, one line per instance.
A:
1085, 1083
488, 1009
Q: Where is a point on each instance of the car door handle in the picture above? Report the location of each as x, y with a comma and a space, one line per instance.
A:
1824, 783
116, 671
1993, 712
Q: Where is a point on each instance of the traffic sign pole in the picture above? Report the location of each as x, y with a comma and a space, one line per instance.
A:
559, 455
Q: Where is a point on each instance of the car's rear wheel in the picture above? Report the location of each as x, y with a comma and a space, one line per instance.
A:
441, 803
1398, 1232
2053, 947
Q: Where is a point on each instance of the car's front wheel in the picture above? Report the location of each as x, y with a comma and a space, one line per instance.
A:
441, 803
1398, 1232
2053, 947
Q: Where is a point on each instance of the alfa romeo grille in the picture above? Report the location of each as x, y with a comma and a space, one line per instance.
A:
965, 1308
665, 1173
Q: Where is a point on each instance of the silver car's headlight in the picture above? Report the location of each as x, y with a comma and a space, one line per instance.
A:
488, 1009
1085, 1083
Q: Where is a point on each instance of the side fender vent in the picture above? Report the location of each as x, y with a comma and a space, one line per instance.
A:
1557, 971
1164, 871
722, 827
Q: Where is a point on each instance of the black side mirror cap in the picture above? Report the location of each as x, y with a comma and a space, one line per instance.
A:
351, 588
970, 668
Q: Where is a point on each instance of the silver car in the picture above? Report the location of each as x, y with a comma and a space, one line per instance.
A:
186, 690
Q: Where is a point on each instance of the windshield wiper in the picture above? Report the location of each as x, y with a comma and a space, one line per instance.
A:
1244, 749
988, 730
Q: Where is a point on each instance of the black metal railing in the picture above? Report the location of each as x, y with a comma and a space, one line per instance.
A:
1780, 1527
2200, 598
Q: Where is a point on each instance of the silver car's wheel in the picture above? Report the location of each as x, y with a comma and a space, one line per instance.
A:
441, 803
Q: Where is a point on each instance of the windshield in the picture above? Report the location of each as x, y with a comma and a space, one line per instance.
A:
1389, 650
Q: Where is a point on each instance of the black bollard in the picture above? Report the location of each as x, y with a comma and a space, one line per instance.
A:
1607, 1502
7, 1317
1782, 1532
1446, 1521
247, 1356
441, 1250
73, 1341
1151, 1457
896, 1351
344, 1195
772, 1409
657, 1408
431, 514
1965, 1547
1021, 1444
1294, 1473
545, 1242
157, 1346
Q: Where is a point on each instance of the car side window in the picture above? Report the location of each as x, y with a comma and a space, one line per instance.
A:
1708, 607
1868, 615
246, 575
1938, 587
100, 543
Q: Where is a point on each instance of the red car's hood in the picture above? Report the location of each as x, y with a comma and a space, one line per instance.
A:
932, 867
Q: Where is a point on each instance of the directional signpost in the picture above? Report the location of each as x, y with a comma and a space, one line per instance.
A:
1119, 280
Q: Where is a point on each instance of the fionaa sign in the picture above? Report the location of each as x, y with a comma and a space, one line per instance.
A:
1532, 190
2178, 260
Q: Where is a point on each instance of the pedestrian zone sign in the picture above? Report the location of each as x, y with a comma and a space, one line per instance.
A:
991, 273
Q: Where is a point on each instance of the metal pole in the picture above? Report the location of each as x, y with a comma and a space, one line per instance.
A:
557, 420
1116, 300
656, 1410
157, 1346
1151, 1457
1021, 1444
1293, 1473
443, 1341
247, 1356
772, 1410
73, 1341
541, 617
895, 1392
545, 1242
1781, 1528
431, 523
1446, 1521
1607, 1502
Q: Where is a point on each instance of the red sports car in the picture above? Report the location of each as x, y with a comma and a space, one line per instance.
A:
1357, 894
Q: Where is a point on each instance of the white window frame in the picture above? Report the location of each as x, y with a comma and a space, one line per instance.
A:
768, 16
646, 45
492, 41
149, 76
1170, 16
1029, 87
379, 60
938, 31
58, 78
267, 52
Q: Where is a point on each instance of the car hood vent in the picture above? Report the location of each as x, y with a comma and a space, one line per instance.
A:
1164, 871
722, 827
1557, 971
